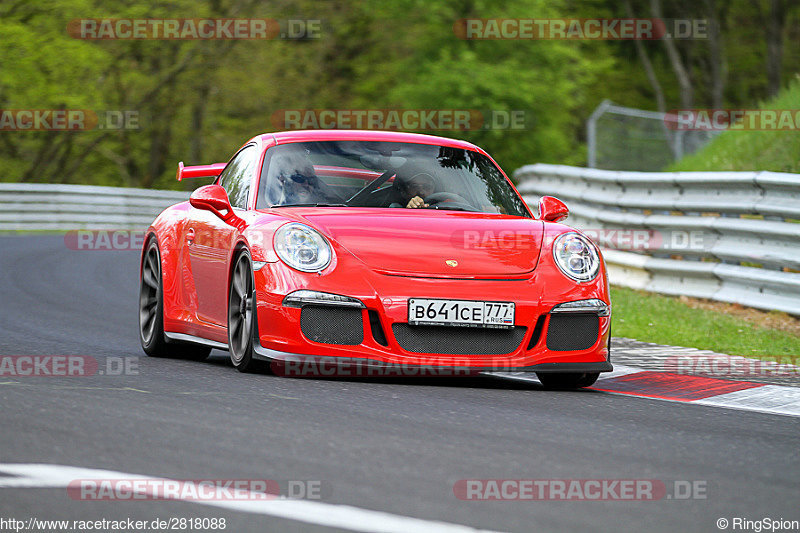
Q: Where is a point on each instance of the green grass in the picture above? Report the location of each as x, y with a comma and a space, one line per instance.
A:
666, 320
778, 151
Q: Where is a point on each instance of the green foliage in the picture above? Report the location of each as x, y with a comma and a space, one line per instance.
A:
198, 101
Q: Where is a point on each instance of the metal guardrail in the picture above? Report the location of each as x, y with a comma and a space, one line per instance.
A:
47, 207
737, 259
727, 236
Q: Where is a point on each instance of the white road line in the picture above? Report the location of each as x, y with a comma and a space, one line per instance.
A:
311, 512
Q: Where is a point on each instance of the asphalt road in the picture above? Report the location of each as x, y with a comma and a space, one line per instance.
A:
393, 446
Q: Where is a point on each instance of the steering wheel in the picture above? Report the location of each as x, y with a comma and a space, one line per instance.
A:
453, 201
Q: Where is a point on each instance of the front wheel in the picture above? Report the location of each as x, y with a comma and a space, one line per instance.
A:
567, 381
241, 315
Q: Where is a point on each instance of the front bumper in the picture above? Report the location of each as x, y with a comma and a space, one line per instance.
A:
298, 365
279, 336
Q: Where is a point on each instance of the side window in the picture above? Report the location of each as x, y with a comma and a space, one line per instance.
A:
237, 176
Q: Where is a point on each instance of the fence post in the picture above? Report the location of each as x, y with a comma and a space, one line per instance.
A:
591, 131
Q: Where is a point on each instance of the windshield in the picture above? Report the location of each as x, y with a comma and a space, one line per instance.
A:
384, 175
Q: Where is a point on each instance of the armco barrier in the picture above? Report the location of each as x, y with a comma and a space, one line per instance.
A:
744, 227
47, 207
723, 268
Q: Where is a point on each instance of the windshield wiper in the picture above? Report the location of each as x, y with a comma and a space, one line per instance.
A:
310, 205
445, 207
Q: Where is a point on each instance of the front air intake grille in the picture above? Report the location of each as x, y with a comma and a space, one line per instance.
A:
332, 325
376, 328
457, 340
576, 331
537, 332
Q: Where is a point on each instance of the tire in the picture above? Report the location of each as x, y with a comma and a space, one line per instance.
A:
151, 313
565, 381
241, 316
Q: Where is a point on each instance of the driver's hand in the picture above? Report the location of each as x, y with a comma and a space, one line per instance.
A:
416, 202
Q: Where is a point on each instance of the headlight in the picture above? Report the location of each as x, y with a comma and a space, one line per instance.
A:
576, 256
302, 248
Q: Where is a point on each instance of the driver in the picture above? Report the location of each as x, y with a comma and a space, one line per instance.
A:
412, 191
298, 182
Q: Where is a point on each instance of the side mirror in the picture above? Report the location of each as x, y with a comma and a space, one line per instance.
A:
212, 198
552, 209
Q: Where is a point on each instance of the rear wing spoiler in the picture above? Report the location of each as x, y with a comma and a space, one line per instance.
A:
199, 171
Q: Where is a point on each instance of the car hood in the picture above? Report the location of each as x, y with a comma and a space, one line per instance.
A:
431, 243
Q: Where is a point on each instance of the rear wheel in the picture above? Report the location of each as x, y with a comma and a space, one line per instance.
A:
151, 313
561, 380
241, 315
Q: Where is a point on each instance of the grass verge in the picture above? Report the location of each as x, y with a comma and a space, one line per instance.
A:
776, 150
713, 326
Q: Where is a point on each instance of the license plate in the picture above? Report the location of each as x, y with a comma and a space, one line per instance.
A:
466, 313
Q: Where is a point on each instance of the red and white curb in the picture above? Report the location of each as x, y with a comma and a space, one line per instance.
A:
690, 389
778, 370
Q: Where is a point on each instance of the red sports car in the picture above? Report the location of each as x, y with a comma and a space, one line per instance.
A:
373, 253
